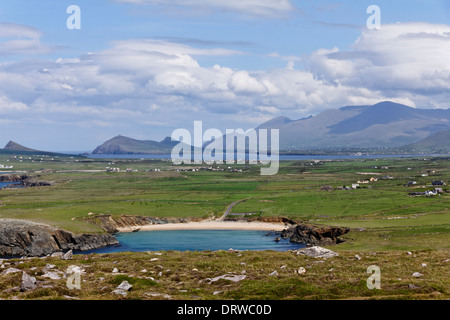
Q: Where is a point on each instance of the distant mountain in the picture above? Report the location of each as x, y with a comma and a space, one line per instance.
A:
125, 145
436, 143
14, 146
383, 125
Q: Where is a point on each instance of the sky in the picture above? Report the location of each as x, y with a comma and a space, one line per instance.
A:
143, 68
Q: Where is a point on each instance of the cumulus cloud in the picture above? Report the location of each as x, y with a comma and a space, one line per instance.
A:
410, 59
254, 8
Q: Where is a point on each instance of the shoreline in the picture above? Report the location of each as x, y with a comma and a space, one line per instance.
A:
208, 225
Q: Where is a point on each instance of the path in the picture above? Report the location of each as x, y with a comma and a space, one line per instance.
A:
231, 207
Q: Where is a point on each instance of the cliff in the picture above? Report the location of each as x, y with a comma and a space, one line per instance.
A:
24, 238
114, 224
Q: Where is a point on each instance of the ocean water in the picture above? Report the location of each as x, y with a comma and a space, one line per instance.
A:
197, 240
5, 184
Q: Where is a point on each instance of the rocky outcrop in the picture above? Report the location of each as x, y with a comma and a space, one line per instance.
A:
13, 177
112, 224
25, 180
314, 235
24, 238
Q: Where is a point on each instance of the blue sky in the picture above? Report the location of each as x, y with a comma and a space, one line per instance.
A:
143, 68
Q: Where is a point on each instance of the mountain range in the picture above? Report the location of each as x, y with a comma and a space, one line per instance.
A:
383, 127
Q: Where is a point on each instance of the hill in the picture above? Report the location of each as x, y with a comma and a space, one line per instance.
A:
125, 145
436, 143
14, 146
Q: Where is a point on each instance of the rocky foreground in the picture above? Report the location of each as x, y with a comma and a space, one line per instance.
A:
24, 238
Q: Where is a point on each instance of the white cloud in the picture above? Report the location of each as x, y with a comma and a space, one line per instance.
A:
254, 8
410, 57
20, 39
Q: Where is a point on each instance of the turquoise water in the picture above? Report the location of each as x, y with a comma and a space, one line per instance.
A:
197, 240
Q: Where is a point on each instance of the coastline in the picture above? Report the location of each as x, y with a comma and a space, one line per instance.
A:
208, 225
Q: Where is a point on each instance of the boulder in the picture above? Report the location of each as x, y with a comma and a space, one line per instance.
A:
120, 292
28, 282
234, 278
68, 255
54, 275
317, 252
125, 286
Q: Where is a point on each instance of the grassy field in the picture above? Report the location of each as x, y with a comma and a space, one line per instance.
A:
386, 221
186, 275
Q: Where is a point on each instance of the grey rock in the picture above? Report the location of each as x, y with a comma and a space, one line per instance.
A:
28, 282
234, 278
417, 275
10, 270
314, 235
52, 275
125, 286
29, 239
68, 255
57, 254
318, 252
120, 292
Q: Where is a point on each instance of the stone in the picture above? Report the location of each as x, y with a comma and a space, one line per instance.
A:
115, 270
58, 254
357, 257
317, 252
125, 286
10, 270
275, 273
52, 275
28, 282
68, 255
233, 278
417, 274
120, 292
411, 286
301, 270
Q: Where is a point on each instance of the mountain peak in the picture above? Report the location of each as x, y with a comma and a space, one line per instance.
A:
275, 123
14, 146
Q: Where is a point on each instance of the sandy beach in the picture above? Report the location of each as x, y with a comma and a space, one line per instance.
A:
209, 225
